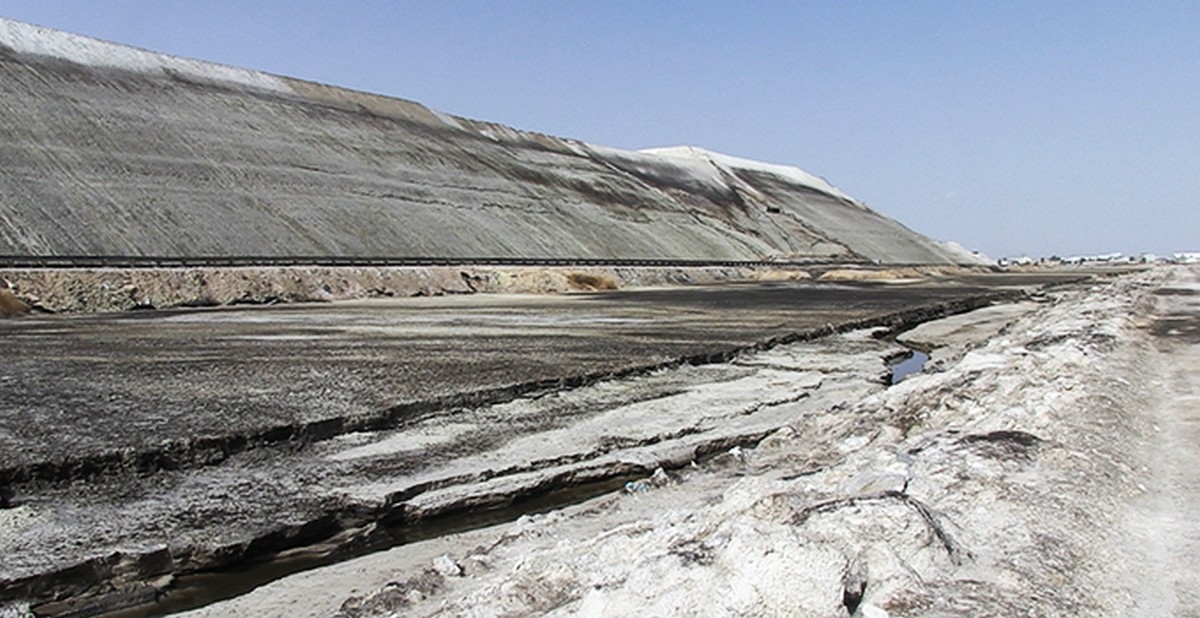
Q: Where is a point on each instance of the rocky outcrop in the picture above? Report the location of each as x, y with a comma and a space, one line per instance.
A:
111, 150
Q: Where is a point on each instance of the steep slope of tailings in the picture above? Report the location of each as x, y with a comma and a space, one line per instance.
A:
110, 150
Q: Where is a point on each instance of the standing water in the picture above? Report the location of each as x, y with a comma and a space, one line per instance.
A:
913, 362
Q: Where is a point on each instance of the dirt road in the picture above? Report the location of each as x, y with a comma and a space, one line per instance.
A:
1165, 520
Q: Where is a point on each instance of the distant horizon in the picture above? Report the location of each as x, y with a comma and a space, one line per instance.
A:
1014, 130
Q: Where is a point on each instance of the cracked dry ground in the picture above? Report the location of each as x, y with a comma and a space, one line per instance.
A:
1049, 470
299, 451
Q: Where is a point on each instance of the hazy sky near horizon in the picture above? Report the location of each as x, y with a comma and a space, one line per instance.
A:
1013, 127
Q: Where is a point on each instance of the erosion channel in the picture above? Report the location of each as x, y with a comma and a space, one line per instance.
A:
153, 452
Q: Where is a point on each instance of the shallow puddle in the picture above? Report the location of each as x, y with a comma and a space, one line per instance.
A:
913, 362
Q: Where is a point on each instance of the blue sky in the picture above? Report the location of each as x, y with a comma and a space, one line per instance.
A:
1012, 127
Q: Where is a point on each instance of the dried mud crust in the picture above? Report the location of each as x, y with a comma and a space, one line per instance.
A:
262, 502
88, 396
1040, 473
263, 499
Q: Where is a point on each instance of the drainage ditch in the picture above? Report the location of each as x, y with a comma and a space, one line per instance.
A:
197, 590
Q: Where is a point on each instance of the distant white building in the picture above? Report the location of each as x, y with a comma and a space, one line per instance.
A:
1020, 260
1189, 257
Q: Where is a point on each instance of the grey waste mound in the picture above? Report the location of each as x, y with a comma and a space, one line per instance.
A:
111, 150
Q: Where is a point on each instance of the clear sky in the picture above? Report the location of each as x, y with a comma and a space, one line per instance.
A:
1011, 126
